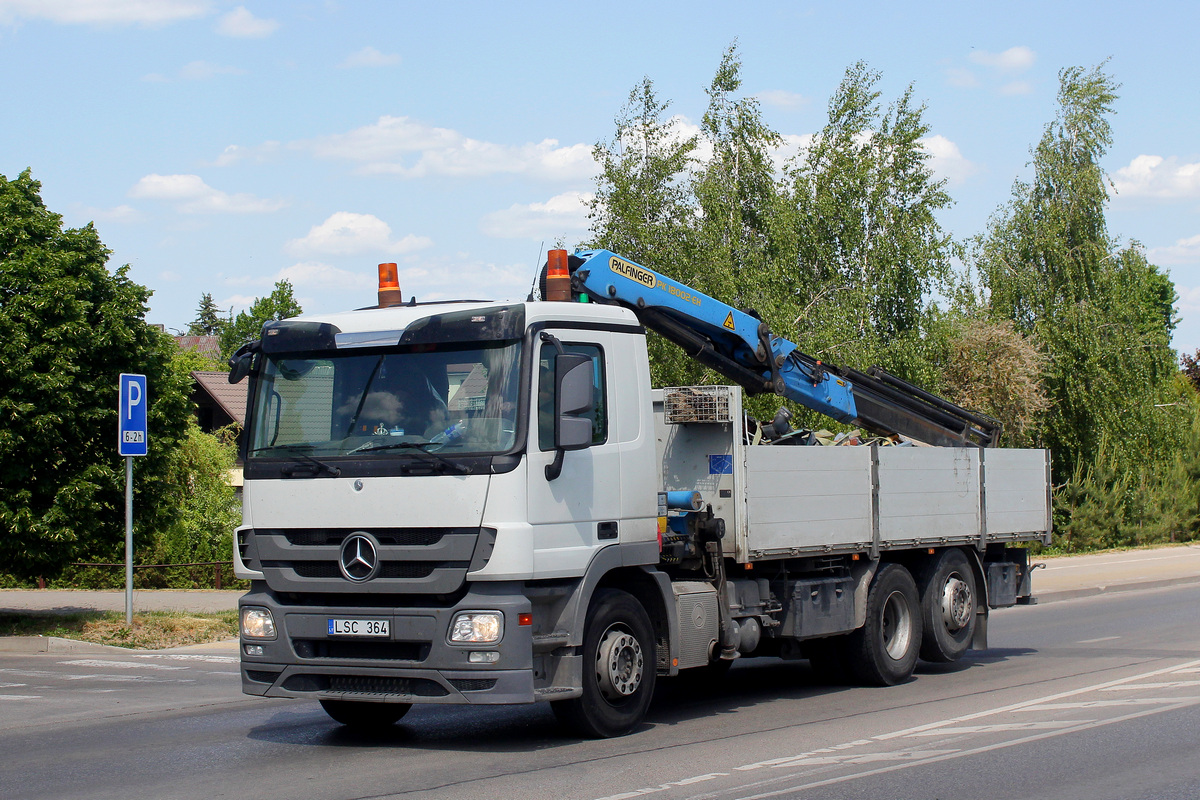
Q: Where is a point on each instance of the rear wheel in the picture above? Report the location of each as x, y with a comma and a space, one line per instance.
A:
948, 600
618, 671
365, 716
884, 650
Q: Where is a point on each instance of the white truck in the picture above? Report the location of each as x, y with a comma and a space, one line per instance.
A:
476, 502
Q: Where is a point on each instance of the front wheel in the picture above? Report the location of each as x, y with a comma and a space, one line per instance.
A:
365, 716
619, 668
883, 652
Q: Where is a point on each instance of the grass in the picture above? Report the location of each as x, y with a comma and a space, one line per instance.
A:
151, 630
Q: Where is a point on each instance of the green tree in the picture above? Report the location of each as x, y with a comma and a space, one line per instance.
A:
68, 328
1101, 313
247, 325
208, 321
869, 247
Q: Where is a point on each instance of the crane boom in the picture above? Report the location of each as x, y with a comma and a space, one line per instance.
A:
741, 347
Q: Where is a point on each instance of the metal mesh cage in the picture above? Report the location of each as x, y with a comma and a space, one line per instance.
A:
697, 404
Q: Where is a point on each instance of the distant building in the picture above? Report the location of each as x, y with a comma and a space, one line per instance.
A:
205, 345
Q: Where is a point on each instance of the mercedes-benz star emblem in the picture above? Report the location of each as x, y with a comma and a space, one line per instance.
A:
359, 559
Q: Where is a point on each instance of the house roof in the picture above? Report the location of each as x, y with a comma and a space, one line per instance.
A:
231, 397
208, 345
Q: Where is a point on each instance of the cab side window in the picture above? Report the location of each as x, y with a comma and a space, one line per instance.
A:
545, 396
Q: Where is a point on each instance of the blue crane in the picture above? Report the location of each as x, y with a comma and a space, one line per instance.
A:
740, 346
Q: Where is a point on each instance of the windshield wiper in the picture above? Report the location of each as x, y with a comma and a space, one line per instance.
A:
418, 448
315, 466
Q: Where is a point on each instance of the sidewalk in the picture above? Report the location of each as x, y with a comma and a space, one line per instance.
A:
1066, 577
69, 600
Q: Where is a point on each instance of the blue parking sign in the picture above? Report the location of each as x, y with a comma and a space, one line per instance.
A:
131, 426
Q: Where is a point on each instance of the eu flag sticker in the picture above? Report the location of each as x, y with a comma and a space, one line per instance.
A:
720, 465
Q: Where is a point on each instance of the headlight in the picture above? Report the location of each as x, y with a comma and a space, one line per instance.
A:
257, 623
477, 627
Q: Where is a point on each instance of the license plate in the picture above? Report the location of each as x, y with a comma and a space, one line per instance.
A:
359, 627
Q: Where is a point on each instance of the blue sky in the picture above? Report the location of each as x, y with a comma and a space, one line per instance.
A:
222, 146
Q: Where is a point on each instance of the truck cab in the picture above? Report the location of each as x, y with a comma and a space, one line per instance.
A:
417, 522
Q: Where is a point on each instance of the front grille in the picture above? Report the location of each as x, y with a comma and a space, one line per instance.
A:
428, 561
389, 569
365, 684
473, 684
375, 651
405, 537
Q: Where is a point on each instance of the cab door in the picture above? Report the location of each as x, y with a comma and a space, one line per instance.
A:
578, 512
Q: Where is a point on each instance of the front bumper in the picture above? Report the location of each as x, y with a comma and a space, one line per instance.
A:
415, 664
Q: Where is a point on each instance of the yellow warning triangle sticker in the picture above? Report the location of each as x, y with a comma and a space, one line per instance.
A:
729, 322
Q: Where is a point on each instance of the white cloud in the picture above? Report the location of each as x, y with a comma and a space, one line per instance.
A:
1014, 59
204, 70
236, 303
410, 149
104, 12
1016, 87
1158, 177
121, 213
781, 99
370, 57
319, 275
793, 145
565, 213
242, 24
192, 195
946, 160
236, 153
1184, 251
462, 277
346, 233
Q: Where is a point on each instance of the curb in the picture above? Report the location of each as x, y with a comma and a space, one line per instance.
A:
1093, 591
32, 645
54, 644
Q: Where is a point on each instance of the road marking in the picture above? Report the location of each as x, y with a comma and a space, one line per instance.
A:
863, 758
12, 685
665, 786
39, 673
96, 662
191, 657
1101, 639
1161, 685
20, 697
1037, 701
1004, 727
948, 727
792, 790
1124, 701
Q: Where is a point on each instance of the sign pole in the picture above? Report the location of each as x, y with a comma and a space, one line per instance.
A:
131, 441
129, 541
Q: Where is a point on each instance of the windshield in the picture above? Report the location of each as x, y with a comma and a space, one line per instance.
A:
458, 400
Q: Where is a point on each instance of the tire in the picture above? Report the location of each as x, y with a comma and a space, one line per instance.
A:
883, 652
948, 601
365, 716
618, 672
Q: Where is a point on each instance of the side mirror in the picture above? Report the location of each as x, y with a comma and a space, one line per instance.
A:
241, 362
575, 393
574, 396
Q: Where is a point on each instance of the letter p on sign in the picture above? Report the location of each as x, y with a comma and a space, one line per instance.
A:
131, 419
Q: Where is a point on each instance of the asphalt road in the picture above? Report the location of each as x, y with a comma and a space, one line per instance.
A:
1096, 697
